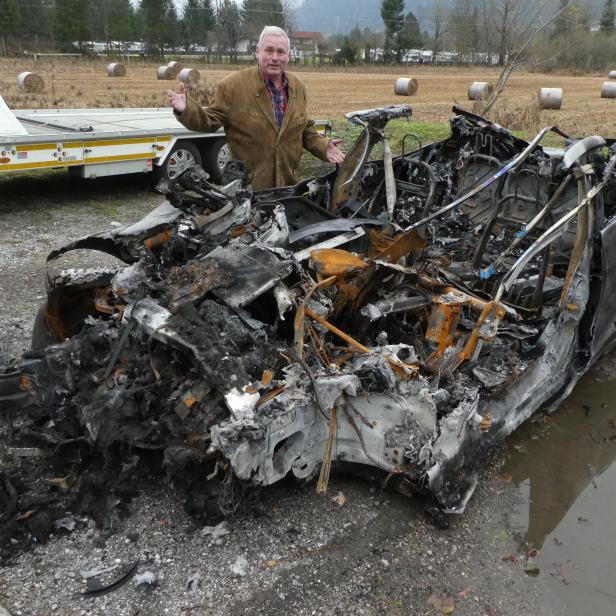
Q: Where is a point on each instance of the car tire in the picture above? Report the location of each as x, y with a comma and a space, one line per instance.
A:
215, 157
183, 156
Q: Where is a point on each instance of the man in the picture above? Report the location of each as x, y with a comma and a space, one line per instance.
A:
263, 111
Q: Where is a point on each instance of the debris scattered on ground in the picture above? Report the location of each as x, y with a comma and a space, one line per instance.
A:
145, 579
240, 566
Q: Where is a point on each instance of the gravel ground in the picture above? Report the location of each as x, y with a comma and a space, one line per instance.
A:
293, 552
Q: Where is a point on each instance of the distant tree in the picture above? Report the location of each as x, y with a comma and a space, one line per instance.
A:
256, 14
172, 25
197, 20
228, 27
392, 14
462, 17
371, 40
10, 24
347, 54
608, 16
121, 21
409, 36
159, 27
438, 16
37, 22
72, 23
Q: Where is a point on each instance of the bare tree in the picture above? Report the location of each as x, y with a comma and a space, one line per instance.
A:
514, 58
438, 17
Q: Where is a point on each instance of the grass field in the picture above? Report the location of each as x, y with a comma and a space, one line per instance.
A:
84, 83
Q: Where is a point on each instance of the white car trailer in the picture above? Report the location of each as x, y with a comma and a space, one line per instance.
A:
98, 142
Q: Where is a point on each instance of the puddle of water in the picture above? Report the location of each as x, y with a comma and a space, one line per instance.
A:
563, 467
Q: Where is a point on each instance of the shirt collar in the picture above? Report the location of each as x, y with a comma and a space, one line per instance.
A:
269, 82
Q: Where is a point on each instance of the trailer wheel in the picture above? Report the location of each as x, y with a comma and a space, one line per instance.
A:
183, 156
215, 157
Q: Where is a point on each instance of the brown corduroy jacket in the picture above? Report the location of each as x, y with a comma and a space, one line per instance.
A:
242, 105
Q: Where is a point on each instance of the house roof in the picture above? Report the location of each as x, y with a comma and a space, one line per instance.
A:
301, 34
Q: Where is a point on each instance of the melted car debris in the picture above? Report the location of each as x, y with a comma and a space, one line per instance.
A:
405, 315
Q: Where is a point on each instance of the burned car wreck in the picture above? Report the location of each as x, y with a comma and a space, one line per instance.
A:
404, 314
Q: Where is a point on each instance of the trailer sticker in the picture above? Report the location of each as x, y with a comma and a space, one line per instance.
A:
21, 155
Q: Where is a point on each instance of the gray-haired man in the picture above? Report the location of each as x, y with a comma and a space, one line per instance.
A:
263, 112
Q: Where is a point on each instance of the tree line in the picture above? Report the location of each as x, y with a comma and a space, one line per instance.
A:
578, 34
62, 25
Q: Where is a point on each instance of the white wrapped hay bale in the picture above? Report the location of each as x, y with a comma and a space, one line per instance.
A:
30, 82
189, 75
115, 69
406, 86
165, 72
176, 67
612, 75
550, 98
608, 89
480, 90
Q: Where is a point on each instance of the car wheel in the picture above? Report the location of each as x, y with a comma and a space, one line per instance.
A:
183, 156
215, 157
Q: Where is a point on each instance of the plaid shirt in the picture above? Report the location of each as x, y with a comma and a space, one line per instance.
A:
279, 98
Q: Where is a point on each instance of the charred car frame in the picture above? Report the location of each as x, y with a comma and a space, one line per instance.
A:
404, 314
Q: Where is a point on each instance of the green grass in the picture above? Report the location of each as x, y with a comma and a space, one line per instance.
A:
426, 132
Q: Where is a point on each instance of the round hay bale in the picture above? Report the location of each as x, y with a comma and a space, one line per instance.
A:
115, 69
176, 67
550, 98
479, 90
611, 75
189, 75
30, 82
165, 72
406, 86
608, 89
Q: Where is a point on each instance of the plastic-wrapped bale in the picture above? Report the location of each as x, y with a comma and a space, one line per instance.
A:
189, 75
406, 86
611, 75
30, 82
550, 98
608, 89
176, 67
480, 90
115, 69
165, 72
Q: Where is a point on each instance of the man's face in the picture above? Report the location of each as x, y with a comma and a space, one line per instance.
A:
273, 56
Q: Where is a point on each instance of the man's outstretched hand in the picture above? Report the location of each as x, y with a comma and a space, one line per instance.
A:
334, 155
177, 99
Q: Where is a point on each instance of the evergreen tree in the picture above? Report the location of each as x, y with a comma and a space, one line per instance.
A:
392, 14
197, 21
121, 21
409, 36
157, 21
72, 23
10, 24
37, 21
608, 16
172, 25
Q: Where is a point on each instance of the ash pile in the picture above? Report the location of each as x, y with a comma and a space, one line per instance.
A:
402, 315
